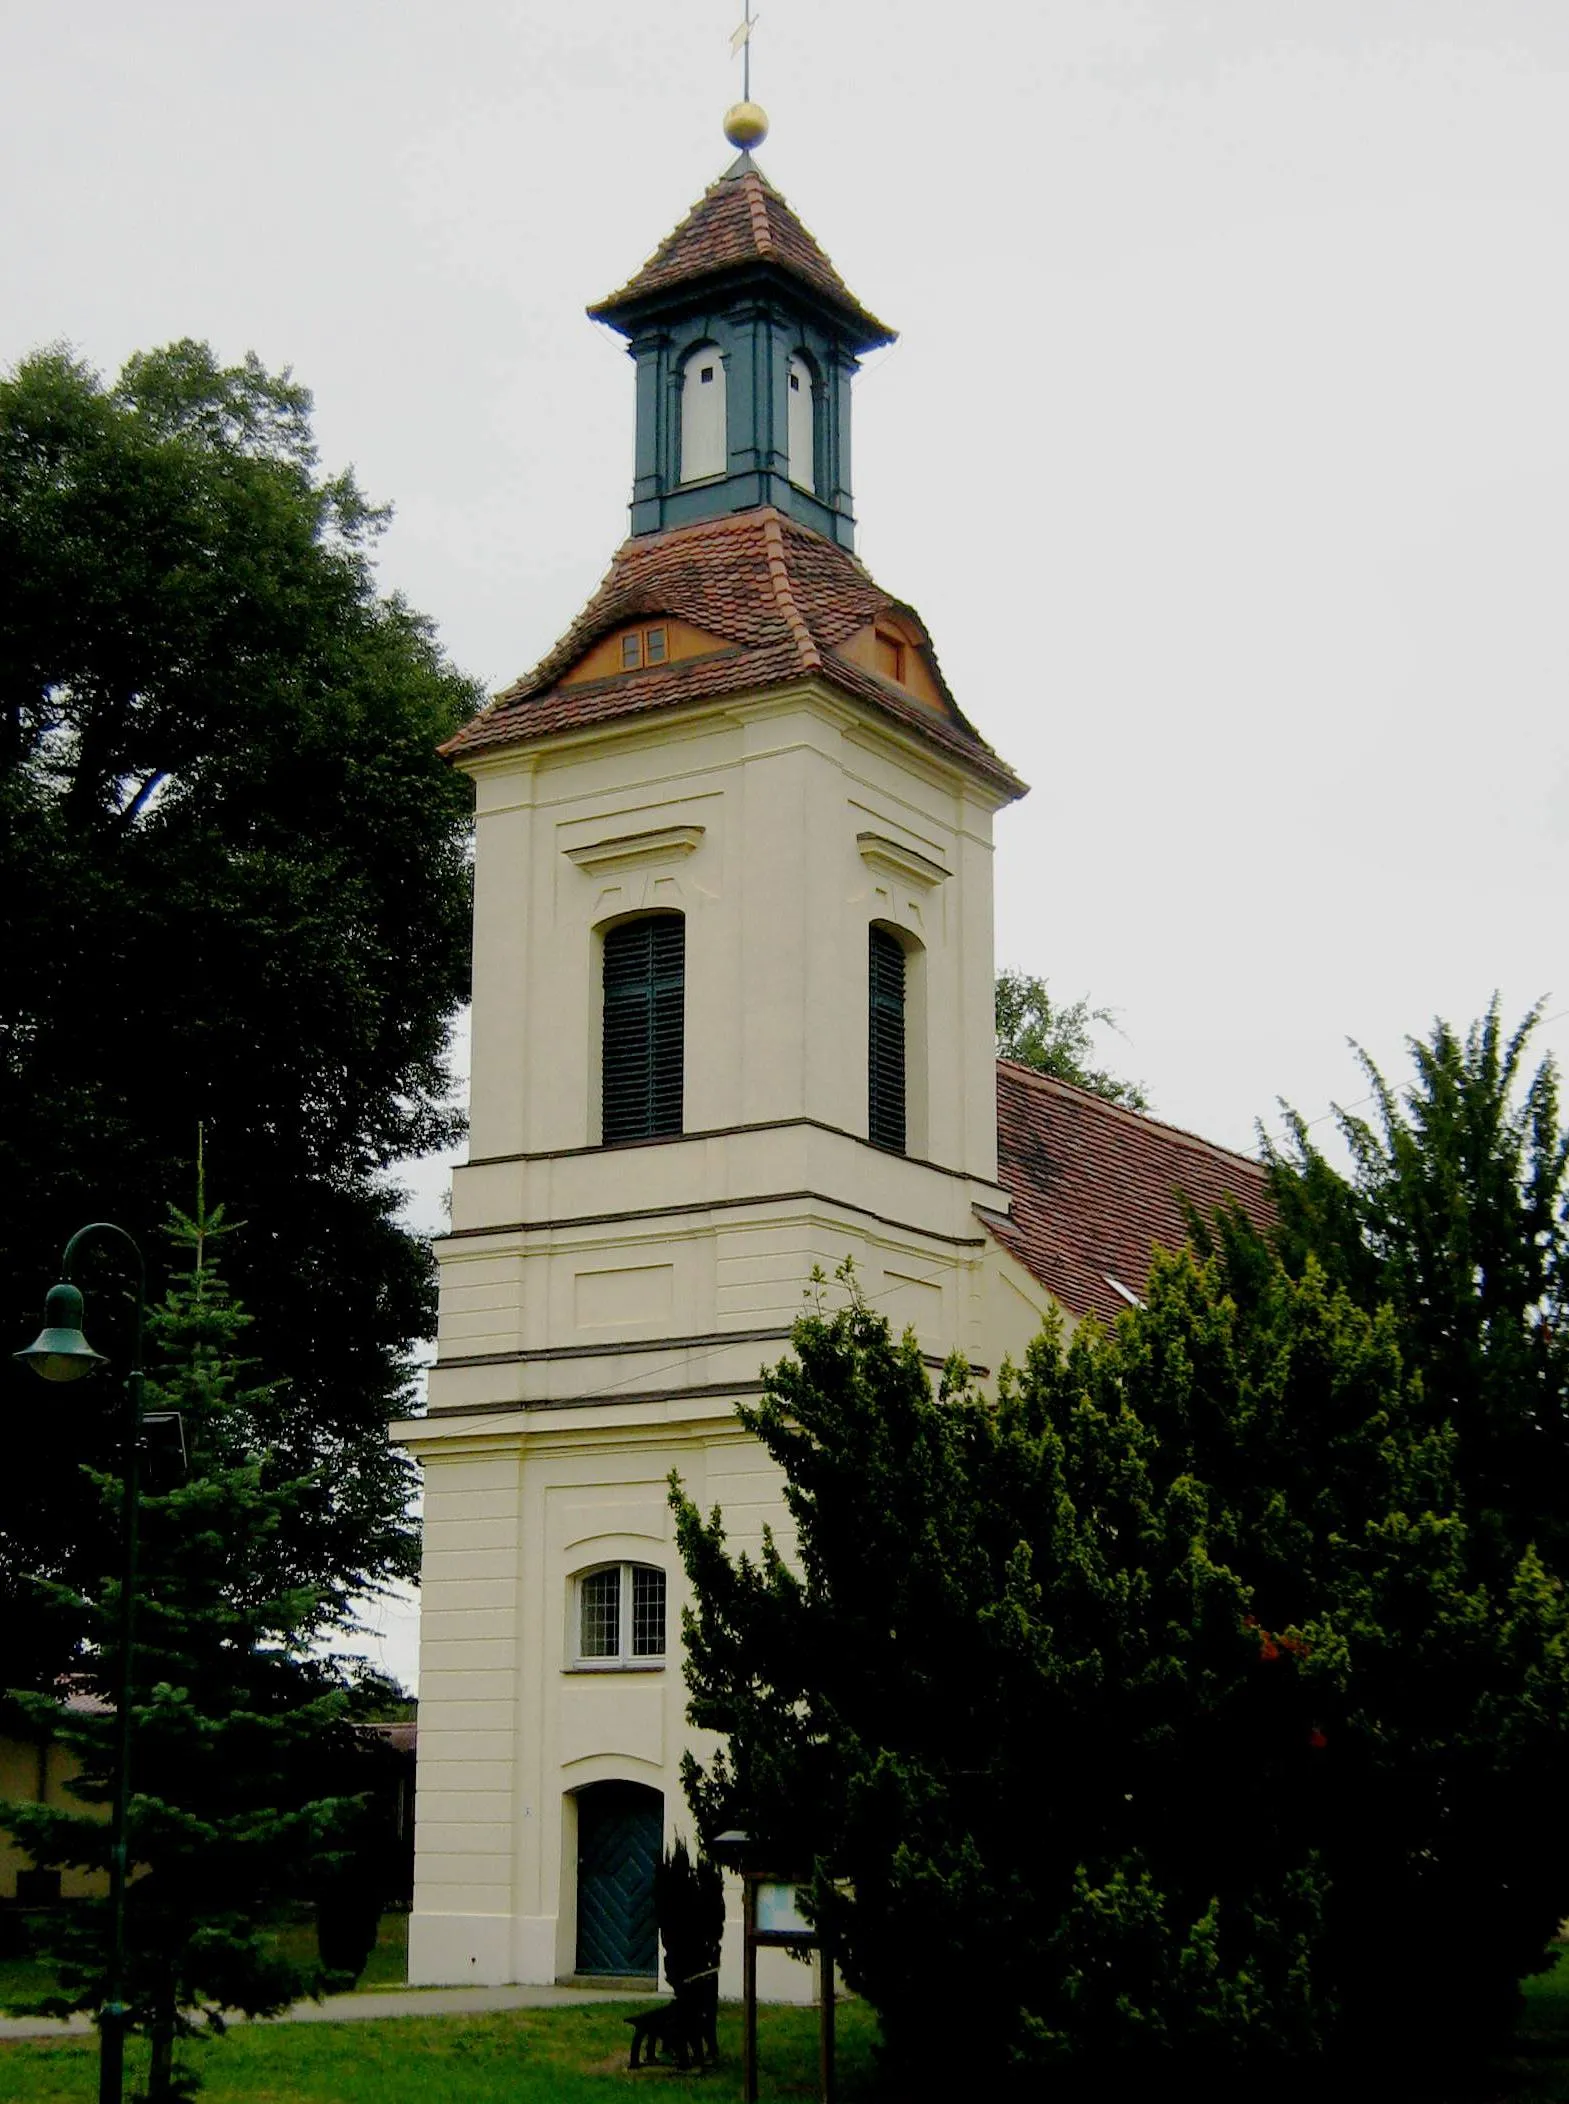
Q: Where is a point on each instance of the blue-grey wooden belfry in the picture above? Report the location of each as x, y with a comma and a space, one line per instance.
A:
746, 339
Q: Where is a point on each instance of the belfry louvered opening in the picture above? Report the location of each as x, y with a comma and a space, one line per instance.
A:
645, 1002
885, 1041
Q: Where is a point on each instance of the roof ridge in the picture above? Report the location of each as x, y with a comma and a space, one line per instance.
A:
1142, 1119
784, 594
757, 205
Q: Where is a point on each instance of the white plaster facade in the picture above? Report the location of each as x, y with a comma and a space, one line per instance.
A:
602, 1309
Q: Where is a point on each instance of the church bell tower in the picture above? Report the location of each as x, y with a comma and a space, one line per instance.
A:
732, 1021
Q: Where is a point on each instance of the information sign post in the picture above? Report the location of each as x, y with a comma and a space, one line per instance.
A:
774, 1920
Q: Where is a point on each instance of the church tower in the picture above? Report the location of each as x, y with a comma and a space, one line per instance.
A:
732, 1020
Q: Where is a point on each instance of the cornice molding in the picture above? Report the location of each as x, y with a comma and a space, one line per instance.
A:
629, 850
894, 859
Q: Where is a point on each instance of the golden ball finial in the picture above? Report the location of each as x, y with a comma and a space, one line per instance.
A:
746, 125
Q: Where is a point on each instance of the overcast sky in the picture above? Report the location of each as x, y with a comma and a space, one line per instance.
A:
1223, 451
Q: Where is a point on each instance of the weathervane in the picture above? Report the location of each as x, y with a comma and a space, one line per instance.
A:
746, 125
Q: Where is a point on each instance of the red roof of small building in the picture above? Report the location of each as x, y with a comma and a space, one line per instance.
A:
742, 219
780, 597
1094, 1188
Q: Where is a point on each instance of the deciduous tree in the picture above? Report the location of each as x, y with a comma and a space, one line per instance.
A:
1058, 1038
233, 892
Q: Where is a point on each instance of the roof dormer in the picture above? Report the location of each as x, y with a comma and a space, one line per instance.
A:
645, 645
894, 649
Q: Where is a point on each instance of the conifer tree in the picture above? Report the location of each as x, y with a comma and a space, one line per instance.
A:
1154, 1709
1456, 1213
239, 1726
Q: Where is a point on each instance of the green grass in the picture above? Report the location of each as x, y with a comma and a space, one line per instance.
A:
387, 1966
575, 2055
527, 2056
21, 1979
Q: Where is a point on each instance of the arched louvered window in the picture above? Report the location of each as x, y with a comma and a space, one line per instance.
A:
798, 426
885, 1036
645, 1000
703, 426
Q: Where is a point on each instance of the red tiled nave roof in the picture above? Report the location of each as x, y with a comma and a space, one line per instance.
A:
1094, 1188
742, 219
781, 598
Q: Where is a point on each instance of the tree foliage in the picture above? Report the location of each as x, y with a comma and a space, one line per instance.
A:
1058, 1038
245, 1766
1456, 1213
1155, 1710
233, 892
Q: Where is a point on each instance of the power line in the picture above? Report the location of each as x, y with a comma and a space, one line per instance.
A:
1335, 1110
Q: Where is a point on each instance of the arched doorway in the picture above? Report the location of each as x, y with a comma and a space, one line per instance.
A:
620, 1832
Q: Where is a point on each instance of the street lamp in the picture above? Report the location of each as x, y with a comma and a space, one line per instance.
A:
61, 1353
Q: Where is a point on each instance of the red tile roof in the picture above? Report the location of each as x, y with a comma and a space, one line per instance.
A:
739, 220
1094, 1188
780, 596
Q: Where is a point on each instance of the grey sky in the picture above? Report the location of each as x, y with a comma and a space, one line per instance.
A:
1224, 450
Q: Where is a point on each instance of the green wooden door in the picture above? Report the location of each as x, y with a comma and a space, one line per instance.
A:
620, 1832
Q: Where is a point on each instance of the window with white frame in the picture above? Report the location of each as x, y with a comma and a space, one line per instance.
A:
621, 1615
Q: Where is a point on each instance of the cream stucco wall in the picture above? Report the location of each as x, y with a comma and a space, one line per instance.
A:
602, 1309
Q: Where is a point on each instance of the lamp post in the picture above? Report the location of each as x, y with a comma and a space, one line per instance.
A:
62, 1353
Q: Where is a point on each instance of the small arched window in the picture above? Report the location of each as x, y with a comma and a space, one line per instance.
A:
885, 1065
800, 427
621, 1615
703, 429
644, 1028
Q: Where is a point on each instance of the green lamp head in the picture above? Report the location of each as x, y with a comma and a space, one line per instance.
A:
60, 1352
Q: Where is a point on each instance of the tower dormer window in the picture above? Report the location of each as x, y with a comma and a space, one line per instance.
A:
644, 646
890, 654
703, 429
800, 427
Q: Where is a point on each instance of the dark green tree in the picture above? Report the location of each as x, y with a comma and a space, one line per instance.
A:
1058, 1038
1139, 1707
1456, 1213
233, 892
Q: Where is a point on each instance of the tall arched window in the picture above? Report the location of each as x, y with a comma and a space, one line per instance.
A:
703, 435
885, 1065
644, 1033
800, 432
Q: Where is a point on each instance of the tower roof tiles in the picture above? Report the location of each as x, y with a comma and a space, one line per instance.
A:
780, 599
741, 219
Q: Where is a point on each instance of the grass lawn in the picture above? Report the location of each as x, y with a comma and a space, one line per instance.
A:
527, 2056
1539, 2068
22, 1978
570, 2056
388, 1964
